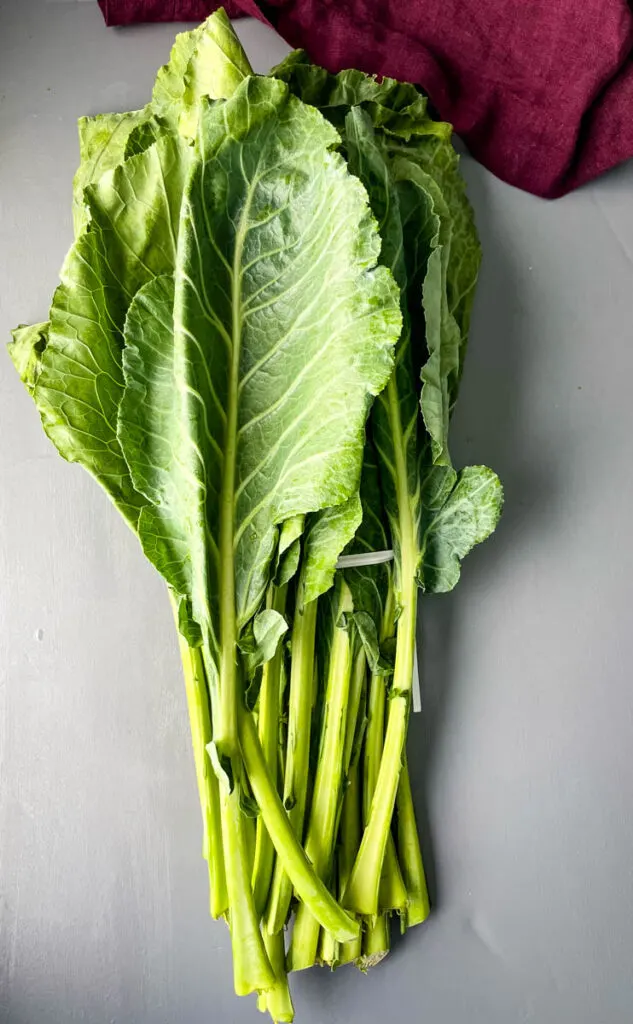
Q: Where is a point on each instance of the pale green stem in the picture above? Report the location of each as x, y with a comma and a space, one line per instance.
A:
349, 841
277, 1000
357, 688
300, 701
376, 941
327, 784
303, 877
251, 969
363, 890
333, 953
392, 894
268, 728
418, 908
200, 723
327, 955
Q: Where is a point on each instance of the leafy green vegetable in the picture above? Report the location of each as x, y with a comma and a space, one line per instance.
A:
255, 349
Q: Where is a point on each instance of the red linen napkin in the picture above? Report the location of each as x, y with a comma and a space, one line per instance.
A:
541, 91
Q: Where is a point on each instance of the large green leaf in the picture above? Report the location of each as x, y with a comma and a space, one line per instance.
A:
283, 332
436, 157
134, 218
403, 127
427, 295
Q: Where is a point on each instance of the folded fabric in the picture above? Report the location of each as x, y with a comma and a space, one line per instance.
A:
541, 91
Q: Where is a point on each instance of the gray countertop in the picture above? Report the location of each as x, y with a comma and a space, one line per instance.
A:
522, 758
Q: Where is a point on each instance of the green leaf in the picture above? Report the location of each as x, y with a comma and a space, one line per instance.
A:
327, 534
134, 218
397, 107
289, 549
208, 61
395, 416
437, 158
415, 188
143, 135
368, 633
260, 639
216, 68
404, 129
221, 766
460, 510
102, 146
26, 350
272, 382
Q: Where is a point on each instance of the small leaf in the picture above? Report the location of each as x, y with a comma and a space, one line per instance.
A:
460, 510
260, 639
187, 625
221, 766
368, 634
327, 534
248, 805
289, 550
26, 351
289, 564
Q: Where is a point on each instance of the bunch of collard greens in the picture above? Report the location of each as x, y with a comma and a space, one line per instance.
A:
255, 348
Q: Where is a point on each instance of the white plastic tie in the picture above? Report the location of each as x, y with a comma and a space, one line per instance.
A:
368, 558
378, 558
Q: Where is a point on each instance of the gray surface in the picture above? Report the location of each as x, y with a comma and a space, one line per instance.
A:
522, 763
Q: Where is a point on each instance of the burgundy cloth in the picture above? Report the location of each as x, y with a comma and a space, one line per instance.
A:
541, 91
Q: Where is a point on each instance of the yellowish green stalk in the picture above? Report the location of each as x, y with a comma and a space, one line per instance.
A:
277, 1000
362, 894
300, 701
301, 871
410, 855
326, 795
268, 729
251, 968
376, 941
208, 790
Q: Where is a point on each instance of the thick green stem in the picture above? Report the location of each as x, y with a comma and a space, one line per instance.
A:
349, 841
300, 701
303, 877
251, 969
327, 955
268, 728
376, 941
277, 999
200, 723
363, 890
392, 894
326, 796
418, 908
357, 696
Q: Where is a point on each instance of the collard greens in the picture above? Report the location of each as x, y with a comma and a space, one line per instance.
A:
255, 348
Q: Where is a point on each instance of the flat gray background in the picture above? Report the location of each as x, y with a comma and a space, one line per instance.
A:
523, 760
